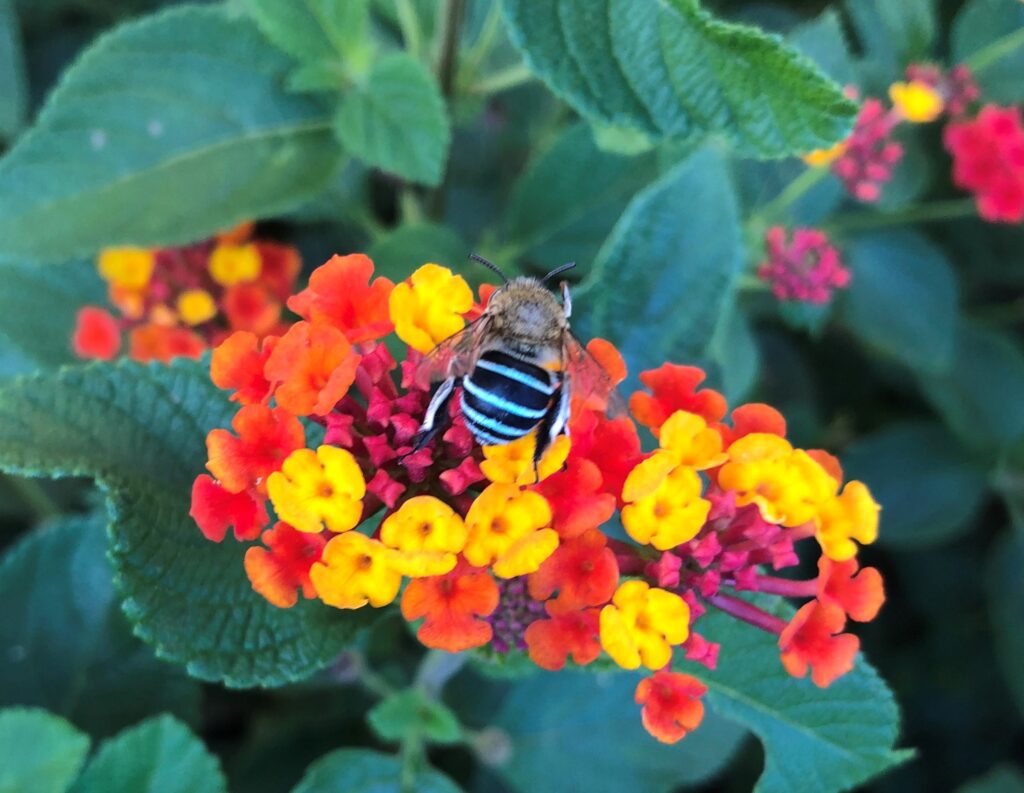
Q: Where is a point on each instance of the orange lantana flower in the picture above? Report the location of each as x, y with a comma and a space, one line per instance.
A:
281, 572
573, 633
672, 705
582, 570
675, 388
814, 639
265, 438
340, 294
452, 605
313, 365
237, 365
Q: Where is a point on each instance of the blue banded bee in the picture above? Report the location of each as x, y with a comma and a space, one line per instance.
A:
518, 366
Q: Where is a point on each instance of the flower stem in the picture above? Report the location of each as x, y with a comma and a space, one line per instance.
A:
924, 213
503, 80
747, 612
787, 587
995, 51
436, 669
409, 22
450, 18
789, 195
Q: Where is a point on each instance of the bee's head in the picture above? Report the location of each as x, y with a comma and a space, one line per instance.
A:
526, 308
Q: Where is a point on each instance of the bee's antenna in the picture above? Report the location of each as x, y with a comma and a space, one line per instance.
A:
558, 271
489, 265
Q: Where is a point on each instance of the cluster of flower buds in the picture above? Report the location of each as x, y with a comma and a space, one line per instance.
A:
481, 550
988, 160
805, 268
181, 301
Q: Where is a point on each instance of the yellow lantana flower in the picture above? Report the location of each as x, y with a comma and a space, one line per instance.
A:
127, 268
354, 571
916, 101
235, 264
688, 437
512, 463
664, 505
642, 624
819, 158
196, 306
853, 515
510, 529
424, 535
318, 490
428, 308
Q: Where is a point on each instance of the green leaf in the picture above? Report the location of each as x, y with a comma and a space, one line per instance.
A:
671, 69
573, 731
183, 113
37, 312
929, 486
13, 89
814, 740
979, 397
989, 36
160, 755
139, 430
396, 120
314, 30
561, 207
1003, 778
669, 264
894, 34
412, 712
734, 360
902, 298
824, 42
365, 771
1005, 586
39, 752
405, 248
64, 643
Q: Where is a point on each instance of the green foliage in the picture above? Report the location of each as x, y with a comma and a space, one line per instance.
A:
13, 89
672, 70
64, 643
894, 34
930, 486
140, 122
398, 253
571, 731
38, 752
814, 740
1002, 779
158, 756
364, 771
989, 36
412, 712
824, 42
1005, 589
139, 431
315, 30
902, 299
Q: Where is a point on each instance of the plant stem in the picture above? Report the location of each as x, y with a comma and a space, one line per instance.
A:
507, 78
747, 612
449, 28
924, 213
789, 195
410, 752
485, 41
436, 669
995, 51
409, 22
787, 587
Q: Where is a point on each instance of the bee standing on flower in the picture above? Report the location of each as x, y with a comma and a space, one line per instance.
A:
519, 367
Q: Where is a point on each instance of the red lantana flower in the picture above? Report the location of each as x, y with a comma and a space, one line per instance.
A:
451, 606
814, 638
583, 571
97, 334
265, 437
340, 294
552, 641
671, 704
858, 593
281, 572
215, 510
675, 388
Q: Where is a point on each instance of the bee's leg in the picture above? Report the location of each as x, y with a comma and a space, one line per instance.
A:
554, 423
436, 417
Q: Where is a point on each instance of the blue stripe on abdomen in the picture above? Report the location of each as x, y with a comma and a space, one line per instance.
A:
504, 398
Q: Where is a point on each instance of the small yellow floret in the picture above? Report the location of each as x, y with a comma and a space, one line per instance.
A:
509, 528
853, 515
670, 513
196, 306
641, 625
127, 268
318, 490
424, 536
512, 463
819, 158
428, 308
235, 264
354, 571
916, 101
688, 437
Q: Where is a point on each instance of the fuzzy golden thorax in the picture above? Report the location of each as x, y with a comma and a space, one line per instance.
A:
526, 311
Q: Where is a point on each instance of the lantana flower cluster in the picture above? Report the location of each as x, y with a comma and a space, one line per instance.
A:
478, 549
181, 301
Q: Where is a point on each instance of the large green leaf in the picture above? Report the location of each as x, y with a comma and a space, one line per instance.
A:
139, 430
894, 34
37, 312
989, 34
670, 262
39, 752
64, 643
399, 252
396, 120
160, 755
366, 771
929, 486
824, 42
164, 131
13, 90
564, 203
814, 740
670, 69
1005, 584
902, 299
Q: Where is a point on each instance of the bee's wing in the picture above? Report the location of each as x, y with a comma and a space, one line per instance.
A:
592, 387
453, 357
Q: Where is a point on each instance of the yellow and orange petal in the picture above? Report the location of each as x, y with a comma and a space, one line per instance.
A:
582, 570
664, 503
687, 436
313, 367
428, 308
550, 642
353, 571
642, 624
916, 101
265, 437
251, 307
819, 158
340, 294
280, 571
859, 593
234, 264
152, 342
853, 515
675, 388
425, 535
196, 306
512, 463
813, 640
509, 530
750, 418
237, 365
96, 335
577, 498
451, 606
671, 705
318, 490
126, 268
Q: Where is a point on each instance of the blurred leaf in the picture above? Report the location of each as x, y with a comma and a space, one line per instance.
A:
1005, 588
734, 360
1001, 779
814, 740
39, 752
366, 771
671, 69
824, 42
13, 89
139, 431
182, 113
929, 486
913, 174
990, 34
671, 266
340, 201
412, 712
902, 299
571, 193
894, 34
160, 755
620, 140
979, 397
397, 120
313, 30
572, 731
64, 643
37, 312
810, 317
405, 248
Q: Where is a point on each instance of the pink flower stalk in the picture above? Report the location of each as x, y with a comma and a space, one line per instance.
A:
957, 86
806, 269
870, 155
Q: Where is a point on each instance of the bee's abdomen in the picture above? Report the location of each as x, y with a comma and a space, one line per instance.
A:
505, 397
